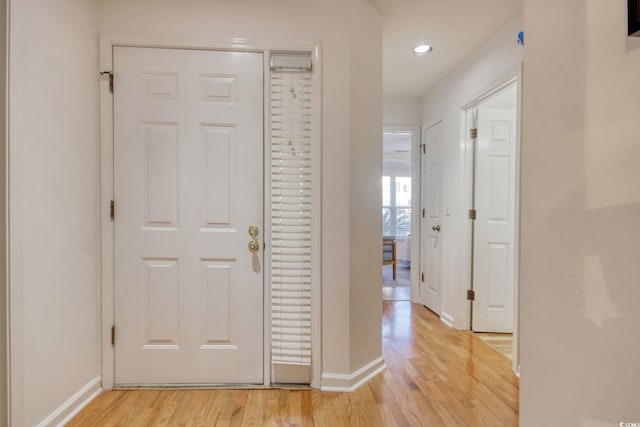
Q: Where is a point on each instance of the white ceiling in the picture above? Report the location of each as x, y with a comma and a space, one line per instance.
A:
455, 28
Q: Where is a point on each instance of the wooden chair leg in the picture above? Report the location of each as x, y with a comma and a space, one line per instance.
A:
394, 270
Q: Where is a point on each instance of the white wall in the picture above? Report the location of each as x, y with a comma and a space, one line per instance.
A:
490, 65
402, 111
580, 228
351, 119
54, 192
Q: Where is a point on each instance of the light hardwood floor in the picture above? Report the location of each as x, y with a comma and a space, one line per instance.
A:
390, 293
503, 343
435, 376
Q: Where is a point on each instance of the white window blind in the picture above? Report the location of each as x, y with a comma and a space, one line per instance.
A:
291, 99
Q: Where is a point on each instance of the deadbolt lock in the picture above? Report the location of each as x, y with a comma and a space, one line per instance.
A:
254, 231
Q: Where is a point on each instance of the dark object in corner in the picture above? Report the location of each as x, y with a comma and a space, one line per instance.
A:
633, 16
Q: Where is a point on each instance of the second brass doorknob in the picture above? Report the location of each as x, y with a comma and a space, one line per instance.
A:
254, 245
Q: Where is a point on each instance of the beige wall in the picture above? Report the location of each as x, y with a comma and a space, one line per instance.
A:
351, 121
580, 221
54, 186
402, 111
3, 217
365, 172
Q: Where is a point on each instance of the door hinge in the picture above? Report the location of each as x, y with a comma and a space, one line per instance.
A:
424, 148
113, 335
422, 277
423, 212
471, 295
110, 74
112, 210
473, 133
472, 214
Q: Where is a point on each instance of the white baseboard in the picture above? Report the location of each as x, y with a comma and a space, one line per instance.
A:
73, 405
348, 383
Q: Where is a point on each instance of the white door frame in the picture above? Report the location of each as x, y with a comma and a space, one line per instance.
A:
415, 203
107, 280
466, 194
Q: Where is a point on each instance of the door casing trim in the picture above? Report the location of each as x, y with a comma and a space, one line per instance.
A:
512, 76
107, 278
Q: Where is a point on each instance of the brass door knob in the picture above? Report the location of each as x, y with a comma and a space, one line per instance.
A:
254, 245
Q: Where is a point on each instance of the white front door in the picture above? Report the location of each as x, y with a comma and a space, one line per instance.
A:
188, 184
431, 218
495, 221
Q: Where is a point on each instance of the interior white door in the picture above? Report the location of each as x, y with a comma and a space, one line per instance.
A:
188, 184
494, 250
431, 218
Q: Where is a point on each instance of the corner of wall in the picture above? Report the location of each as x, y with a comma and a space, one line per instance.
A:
72, 406
353, 381
365, 171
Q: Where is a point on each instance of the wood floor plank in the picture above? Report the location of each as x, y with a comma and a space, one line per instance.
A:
100, 408
213, 407
307, 409
254, 413
435, 376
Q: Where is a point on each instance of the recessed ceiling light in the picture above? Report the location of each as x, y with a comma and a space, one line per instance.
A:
423, 49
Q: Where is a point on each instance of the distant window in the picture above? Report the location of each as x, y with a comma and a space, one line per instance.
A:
396, 206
